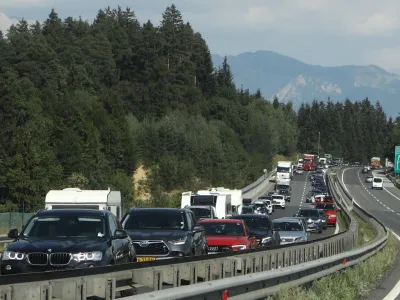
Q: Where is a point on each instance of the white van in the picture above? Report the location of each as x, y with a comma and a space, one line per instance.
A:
377, 183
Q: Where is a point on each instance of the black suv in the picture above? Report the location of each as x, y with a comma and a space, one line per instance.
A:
159, 233
261, 227
62, 239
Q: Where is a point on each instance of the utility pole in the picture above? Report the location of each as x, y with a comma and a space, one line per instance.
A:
319, 140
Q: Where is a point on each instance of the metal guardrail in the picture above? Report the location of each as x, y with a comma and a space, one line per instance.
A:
258, 185
394, 181
250, 274
186, 273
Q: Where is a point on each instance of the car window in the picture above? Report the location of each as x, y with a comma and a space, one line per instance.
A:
150, 220
113, 224
222, 228
65, 226
287, 226
377, 179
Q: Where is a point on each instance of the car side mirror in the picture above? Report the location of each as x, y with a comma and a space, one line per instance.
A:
120, 234
13, 233
198, 228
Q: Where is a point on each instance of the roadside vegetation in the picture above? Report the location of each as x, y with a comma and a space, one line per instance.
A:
139, 107
352, 283
365, 232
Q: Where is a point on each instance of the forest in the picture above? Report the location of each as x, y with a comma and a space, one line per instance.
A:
87, 104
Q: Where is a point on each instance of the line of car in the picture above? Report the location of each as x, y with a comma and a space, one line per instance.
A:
61, 239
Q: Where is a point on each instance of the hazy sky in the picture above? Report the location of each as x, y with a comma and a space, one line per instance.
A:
323, 32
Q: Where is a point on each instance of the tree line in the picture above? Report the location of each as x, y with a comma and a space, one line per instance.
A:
86, 104
355, 131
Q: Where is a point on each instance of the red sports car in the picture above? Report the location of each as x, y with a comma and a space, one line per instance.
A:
227, 235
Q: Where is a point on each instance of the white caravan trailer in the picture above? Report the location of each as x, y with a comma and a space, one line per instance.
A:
221, 202
236, 198
75, 198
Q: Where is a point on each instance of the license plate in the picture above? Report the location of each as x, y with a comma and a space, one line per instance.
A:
212, 248
144, 259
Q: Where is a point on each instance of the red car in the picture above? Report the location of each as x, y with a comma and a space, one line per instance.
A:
227, 235
330, 209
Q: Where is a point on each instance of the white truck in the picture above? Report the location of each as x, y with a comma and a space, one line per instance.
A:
236, 198
221, 202
284, 170
75, 198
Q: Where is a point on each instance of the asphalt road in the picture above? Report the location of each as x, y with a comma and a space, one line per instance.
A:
300, 188
383, 205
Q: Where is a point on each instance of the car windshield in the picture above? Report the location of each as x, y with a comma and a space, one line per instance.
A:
219, 228
257, 223
377, 179
154, 220
308, 213
277, 197
247, 209
325, 206
65, 226
201, 212
260, 206
287, 226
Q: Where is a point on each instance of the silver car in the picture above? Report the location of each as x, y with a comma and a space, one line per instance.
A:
291, 230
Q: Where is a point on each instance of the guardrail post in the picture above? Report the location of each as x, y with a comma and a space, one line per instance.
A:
5, 292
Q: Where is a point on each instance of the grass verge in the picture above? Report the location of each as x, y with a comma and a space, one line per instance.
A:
365, 232
354, 282
343, 222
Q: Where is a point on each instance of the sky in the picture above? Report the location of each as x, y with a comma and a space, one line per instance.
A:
320, 32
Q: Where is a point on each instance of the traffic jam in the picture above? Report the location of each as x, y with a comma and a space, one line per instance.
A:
86, 228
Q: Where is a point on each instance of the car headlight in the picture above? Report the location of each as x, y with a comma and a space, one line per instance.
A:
87, 256
239, 247
180, 241
11, 255
265, 240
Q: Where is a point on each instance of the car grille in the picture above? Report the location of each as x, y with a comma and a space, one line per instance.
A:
151, 248
287, 240
38, 259
60, 259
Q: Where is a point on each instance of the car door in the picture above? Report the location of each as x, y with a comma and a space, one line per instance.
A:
197, 236
275, 234
117, 245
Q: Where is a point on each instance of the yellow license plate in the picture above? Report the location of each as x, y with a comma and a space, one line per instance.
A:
144, 259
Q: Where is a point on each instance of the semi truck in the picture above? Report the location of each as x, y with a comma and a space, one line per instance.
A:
284, 170
309, 162
375, 162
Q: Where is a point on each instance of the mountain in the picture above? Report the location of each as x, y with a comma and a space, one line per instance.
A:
292, 80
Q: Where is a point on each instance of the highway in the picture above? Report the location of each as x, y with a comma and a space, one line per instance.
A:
383, 205
300, 188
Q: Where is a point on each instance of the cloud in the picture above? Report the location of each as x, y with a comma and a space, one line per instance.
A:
6, 22
19, 3
377, 24
388, 58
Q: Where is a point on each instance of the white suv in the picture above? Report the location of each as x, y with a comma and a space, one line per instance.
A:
377, 183
279, 200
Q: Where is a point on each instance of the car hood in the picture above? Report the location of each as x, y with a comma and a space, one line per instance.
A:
167, 235
226, 240
261, 233
330, 212
291, 234
70, 245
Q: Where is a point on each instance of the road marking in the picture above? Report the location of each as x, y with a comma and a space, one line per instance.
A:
391, 194
392, 295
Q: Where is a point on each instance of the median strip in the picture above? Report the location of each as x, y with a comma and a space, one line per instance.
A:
351, 283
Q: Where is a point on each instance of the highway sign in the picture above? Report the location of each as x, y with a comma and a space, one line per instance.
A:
397, 160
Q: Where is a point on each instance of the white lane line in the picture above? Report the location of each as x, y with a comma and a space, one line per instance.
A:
392, 295
391, 194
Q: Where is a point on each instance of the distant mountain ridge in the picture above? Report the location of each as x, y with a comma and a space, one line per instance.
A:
292, 80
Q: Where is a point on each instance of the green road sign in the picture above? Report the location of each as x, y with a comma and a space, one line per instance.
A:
397, 160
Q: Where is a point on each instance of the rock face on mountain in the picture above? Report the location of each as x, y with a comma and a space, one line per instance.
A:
293, 80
